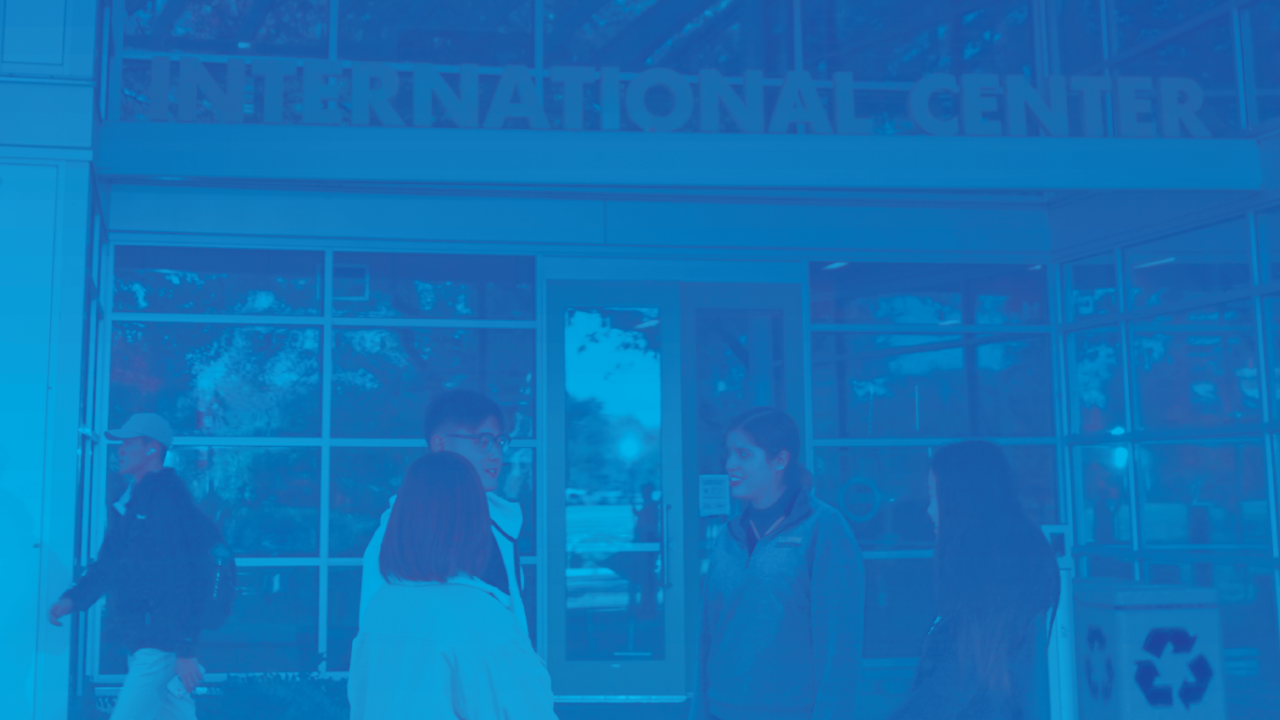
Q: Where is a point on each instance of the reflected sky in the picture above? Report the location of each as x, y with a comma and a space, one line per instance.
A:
613, 365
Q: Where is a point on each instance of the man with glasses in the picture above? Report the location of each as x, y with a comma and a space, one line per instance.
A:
469, 424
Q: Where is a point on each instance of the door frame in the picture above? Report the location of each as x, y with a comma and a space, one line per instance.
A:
606, 680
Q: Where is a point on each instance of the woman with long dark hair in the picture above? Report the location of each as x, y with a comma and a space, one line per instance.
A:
996, 582
436, 641
780, 635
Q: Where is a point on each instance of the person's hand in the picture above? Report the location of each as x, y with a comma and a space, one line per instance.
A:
188, 670
60, 608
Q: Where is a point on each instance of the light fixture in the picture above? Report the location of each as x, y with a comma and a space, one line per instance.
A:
835, 266
1154, 263
648, 324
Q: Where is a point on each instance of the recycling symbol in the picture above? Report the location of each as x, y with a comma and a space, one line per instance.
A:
1192, 691
1099, 673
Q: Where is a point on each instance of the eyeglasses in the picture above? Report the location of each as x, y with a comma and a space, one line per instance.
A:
486, 440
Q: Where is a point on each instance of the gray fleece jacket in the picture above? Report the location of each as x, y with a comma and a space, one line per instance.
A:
780, 635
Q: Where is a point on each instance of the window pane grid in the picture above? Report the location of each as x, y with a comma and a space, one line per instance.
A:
327, 326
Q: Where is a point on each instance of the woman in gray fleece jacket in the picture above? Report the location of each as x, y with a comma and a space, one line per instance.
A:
780, 635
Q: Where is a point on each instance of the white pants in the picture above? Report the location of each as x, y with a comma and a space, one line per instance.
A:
146, 695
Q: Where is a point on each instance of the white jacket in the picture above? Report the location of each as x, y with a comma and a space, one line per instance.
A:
504, 513
437, 651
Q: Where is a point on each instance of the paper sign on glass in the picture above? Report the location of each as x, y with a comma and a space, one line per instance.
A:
713, 495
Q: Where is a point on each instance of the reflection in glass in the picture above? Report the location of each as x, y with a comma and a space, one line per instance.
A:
1204, 493
399, 369
1035, 470
1103, 483
1096, 381
417, 285
1207, 55
1091, 287
731, 36
878, 41
217, 379
1192, 266
483, 32
613, 504
1269, 233
217, 281
297, 28
882, 492
739, 366
928, 294
1199, 368
1261, 23
344, 616
363, 479
1078, 27
1135, 22
900, 607
275, 626
1272, 330
951, 386
265, 500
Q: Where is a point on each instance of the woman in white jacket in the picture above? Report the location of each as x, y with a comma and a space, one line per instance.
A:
437, 642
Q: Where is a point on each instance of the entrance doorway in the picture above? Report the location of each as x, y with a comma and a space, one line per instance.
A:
644, 380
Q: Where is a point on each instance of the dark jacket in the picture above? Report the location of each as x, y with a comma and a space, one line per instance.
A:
947, 688
780, 635
149, 568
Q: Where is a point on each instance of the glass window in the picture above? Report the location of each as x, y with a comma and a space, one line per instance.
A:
363, 479
1269, 241
361, 483
1206, 55
1102, 477
266, 500
883, 493
1135, 22
928, 294
878, 41
1091, 287
1198, 368
1035, 469
275, 626
1078, 35
344, 616
294, 28
1192, 266
218, 379
615, 607
1204, 493
930, 386
731, 36
486, 32
1096, 381
217, 281
1273, 350
456, 287
899, 607
1261, 28
398, 370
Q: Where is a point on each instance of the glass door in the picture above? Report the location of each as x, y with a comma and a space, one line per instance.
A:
644, 379
616, 621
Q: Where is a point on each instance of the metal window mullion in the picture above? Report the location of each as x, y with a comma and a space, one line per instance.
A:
925, 442
541, 431
280, 562
958, 329
95, 517
115, 66
1264, 385
806, 359
797, 35
1237, 36
326, 416
1247, 59
1040, 41
333, 29
1061, 398
538, 48
1126, 369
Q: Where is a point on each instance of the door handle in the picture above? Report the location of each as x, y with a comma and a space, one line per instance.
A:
666, 549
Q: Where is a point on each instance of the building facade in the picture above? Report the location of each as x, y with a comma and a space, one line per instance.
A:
285, 225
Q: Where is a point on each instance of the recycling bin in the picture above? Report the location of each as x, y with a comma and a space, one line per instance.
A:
1148, 651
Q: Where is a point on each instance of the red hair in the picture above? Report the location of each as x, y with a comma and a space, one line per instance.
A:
439, 526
